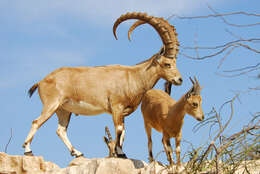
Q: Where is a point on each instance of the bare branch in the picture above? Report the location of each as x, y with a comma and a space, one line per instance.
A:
216, 158
209, 119
214, 15
255, 88
224, 45
231, 24
241, 71
11, 136
196, 44
221, 16
207, 56
230, 117
224, 58
228, 47
233, 34
230, 139
244, 68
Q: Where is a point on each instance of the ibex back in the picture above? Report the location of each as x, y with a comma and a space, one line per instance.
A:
115, 89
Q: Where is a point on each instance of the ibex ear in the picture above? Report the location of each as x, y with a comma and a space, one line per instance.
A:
187, 96
157, 59
158, 55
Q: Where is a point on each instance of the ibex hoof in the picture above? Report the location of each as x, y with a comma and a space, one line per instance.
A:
28, 153
121, 155
151, 160
24, 145
81, 155
76, 154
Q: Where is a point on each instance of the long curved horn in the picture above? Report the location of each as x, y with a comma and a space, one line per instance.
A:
132, 28
165, 30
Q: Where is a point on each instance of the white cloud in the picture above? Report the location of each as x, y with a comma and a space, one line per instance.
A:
98, 11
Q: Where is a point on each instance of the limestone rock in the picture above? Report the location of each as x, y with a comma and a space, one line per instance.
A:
103, 166
12, 164
252, 166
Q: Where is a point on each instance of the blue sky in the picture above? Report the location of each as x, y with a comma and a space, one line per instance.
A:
39, 36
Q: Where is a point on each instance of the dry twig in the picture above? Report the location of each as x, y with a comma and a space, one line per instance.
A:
11, 136
228, 47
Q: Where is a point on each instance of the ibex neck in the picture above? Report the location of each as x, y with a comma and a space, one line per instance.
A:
178, 110
148, 73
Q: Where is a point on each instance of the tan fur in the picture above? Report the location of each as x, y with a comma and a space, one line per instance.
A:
114, 89
165, 115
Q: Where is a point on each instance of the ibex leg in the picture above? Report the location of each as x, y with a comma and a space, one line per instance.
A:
150, 143
168, 149
64, 119
120, 133
47, 112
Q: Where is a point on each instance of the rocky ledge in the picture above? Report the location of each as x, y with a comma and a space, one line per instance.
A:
13, 164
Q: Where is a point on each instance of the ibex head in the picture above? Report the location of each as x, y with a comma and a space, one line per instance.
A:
193, 106
111, 144
166, 58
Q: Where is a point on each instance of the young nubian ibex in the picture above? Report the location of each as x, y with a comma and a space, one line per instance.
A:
111, 144
166, 115
115, 89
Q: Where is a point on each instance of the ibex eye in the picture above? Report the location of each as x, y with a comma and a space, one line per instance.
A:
195, 104
167, 65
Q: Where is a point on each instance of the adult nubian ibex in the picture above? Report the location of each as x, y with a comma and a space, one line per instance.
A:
165, 115
114, 89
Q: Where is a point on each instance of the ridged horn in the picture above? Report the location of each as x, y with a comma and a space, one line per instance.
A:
165, 30
198, 88
134, 26
195, 90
